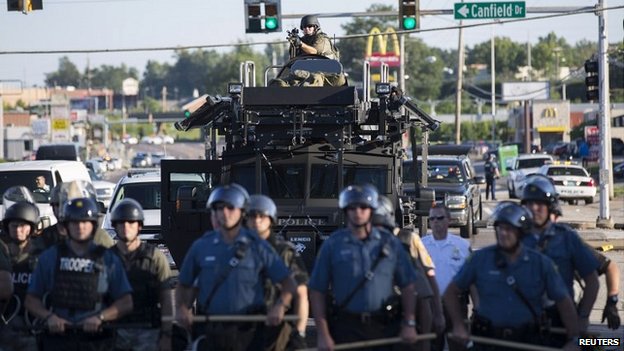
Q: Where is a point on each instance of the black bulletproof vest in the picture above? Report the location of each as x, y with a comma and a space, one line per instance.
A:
143, 277
76, 279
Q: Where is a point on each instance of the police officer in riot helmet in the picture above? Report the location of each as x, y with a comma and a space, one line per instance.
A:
228, 266
151, 280
361, 295
511, 275
261, 216
71, 276
563, 245
314, 41
19, 226
429, 304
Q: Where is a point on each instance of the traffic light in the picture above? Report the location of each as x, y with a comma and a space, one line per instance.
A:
24, 6
409, 13
187, 113
592, 80
262, 16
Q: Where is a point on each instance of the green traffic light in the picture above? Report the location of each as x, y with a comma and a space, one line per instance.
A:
187, 114
409, 23
270, 23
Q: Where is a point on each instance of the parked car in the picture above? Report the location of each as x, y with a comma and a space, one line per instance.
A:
141, 160
67, 152
521, 166
103, 189
572, 182
456, 185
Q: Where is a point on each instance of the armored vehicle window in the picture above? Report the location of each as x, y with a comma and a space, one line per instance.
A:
280, 182
324, 181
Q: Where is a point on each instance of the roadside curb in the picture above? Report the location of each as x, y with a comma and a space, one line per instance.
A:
580, 225
607, 245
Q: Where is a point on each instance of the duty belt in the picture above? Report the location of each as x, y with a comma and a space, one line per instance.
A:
364, 317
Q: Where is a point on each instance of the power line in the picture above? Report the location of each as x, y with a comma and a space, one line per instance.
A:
352, 36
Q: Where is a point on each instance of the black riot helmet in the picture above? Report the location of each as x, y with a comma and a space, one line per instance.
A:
539, 188
80, 209
21, 211
127, 210
231, 194
355, 195
309, 20
513, 214
263, 205
384, 213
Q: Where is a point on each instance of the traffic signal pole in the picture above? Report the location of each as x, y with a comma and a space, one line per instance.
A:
605, 174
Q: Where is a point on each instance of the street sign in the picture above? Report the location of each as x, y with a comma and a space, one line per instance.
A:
60, 124
130, 86
486, 10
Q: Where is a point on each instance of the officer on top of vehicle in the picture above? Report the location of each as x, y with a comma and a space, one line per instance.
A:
229, 266
56, 233
511, 280
563, 245
428, 302
361, 265
83, 284
151, 280
314, 41
611, 272
18, 228
261, 216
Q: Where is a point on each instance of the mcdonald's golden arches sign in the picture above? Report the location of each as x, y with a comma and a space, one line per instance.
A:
392, 58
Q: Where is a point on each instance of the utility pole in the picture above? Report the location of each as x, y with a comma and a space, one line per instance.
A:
604, 219
493, 90
458, 88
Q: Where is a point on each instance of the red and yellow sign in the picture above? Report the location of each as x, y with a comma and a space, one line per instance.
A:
393, 58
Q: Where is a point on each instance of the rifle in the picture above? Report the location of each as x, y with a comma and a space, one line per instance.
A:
294, 40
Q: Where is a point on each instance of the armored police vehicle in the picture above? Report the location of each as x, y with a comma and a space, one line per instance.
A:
299, 139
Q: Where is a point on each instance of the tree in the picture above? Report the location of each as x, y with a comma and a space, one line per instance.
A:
154, 77
66, 75
112, 77
508, 55
547, 51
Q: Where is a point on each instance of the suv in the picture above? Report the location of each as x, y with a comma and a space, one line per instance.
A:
521, 166
144, 187
456, 186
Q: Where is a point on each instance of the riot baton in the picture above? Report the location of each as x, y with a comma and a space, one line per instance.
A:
508, 344
375, 342
244, 318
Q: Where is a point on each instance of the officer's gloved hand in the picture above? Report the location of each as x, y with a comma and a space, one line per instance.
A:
610, 313
297, 42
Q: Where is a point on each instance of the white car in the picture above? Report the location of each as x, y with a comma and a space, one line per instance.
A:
103, 189
572, 182
521, 166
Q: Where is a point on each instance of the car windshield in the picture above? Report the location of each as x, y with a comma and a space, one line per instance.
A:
38, 182
437, 172
532, 163
146, 194
566, 171
92, 175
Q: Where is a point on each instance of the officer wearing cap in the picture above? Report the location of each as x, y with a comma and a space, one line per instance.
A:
314, 41
563, 245
83, 284
229, 266
261, 216
361, 265
18, 227
511, 275
56, 233
428, 302
611, 273
151, 280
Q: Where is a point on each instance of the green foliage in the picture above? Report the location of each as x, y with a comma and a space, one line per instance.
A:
508, 54
111, 77
66, 75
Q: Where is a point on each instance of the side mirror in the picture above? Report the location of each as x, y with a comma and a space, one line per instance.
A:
101, 207
479, 180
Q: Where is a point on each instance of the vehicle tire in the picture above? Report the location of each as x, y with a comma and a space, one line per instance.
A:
467, 231
589, 200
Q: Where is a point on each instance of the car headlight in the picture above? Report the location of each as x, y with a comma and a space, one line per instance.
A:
455, 201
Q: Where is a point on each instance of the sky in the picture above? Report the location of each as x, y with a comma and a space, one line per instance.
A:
113, 24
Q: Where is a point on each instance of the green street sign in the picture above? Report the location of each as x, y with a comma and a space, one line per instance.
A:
487, 10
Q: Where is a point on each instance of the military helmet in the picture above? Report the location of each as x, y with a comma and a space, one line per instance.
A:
80, 209
127, 210
55, 195
309, 20
358, 195
23, 211
513, 214
384, 213
263, 205
231, 194
539, 188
